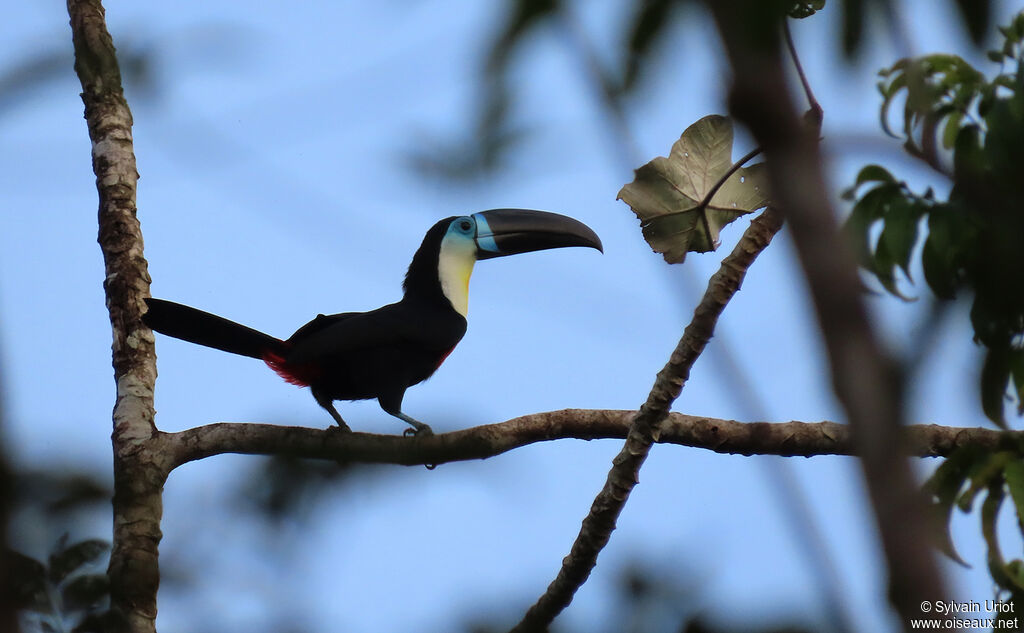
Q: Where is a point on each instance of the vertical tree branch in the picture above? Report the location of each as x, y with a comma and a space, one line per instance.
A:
866, 381
138, 480
600, 522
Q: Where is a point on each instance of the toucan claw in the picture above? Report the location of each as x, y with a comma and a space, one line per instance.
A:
423, 431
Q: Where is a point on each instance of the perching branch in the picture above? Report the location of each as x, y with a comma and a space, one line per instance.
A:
866, 381
787, 439
134, 574
646, 426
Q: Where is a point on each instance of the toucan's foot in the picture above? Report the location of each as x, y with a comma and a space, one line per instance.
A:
421, 431
329, 406
418, 429
340, 428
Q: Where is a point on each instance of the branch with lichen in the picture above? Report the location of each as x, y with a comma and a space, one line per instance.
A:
133, 571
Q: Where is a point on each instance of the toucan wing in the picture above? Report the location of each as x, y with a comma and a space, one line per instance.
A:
335, 334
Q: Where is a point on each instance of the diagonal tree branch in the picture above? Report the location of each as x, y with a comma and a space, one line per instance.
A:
731, 437
133, 571
645, 428
865, 380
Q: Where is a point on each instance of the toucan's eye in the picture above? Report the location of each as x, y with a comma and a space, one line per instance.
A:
465, 226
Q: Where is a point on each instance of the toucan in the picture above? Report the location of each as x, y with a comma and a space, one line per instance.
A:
381, 353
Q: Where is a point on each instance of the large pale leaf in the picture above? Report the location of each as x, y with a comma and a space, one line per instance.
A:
666, 193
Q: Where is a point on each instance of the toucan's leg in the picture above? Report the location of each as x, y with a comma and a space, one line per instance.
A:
328, 404
392, 404
337, 418
418, 429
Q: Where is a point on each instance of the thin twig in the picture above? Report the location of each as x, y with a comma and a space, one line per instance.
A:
815, 113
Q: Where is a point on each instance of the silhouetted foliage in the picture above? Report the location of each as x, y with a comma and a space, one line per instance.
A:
973, 244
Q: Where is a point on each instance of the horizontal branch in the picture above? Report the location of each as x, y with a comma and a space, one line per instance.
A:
788, 439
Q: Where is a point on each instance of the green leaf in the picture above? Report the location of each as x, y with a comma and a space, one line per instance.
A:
901, 213
948, 229
874, 173
937, 271
944, 486
868, 210
29, 582
989, 516
1017, 373
937, 87
982, 473
1013, 473
995, 374
801, 10
900, 232
102, 622
1016, 569
951, 129
667, 193
1006, 576
882, 264
968, 155
889, 91
85, 591
66, 561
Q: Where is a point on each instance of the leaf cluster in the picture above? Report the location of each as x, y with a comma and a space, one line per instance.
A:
63, 589
966, 475
975, 238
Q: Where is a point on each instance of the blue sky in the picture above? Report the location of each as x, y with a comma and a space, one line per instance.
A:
272, 144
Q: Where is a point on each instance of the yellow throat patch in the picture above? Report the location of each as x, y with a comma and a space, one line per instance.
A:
454, 267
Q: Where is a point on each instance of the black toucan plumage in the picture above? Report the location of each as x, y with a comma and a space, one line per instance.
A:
381, 353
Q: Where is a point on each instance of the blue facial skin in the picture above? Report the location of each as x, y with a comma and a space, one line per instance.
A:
484, 236
461, 230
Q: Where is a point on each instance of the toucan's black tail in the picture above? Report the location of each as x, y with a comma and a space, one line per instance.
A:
203, 328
